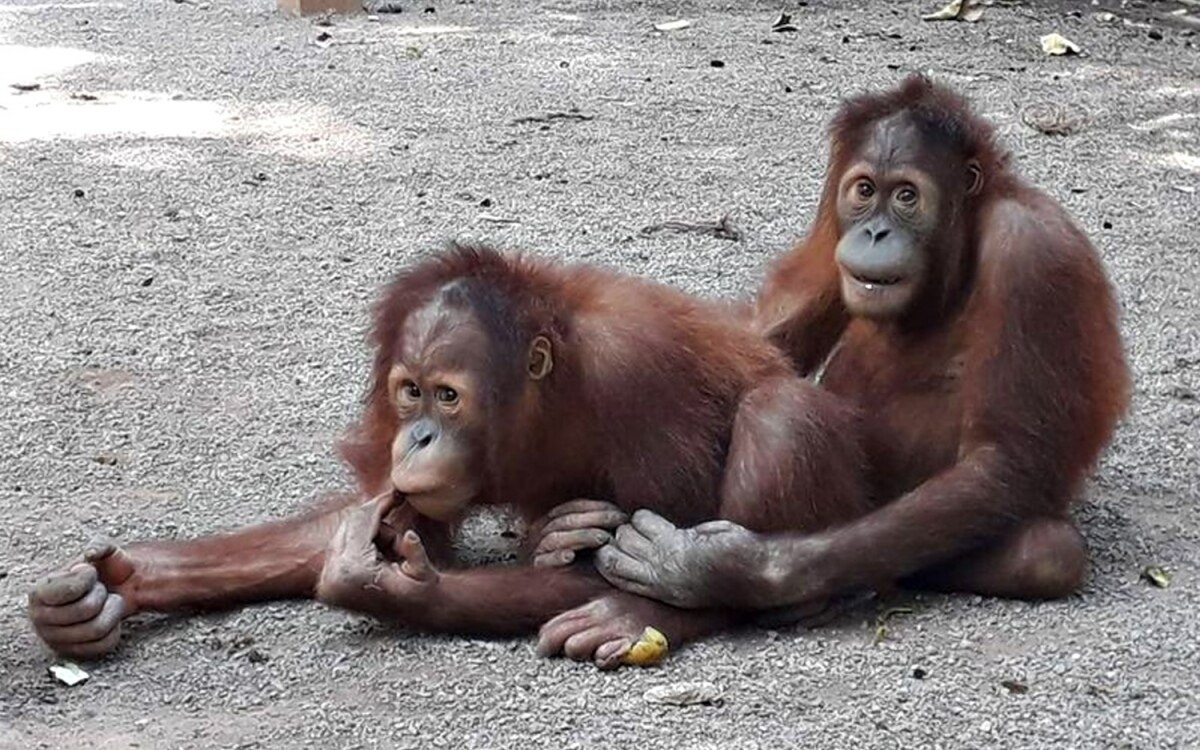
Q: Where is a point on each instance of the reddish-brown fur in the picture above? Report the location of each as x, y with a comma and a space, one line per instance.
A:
974, 330
646, 386
991, 404
655, 400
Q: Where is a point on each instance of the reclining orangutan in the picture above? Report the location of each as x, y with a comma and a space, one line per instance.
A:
971, 323
506, 380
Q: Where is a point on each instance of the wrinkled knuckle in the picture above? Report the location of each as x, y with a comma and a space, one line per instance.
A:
605, 559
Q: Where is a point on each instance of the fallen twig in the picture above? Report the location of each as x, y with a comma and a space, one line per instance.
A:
722, 229
553, 116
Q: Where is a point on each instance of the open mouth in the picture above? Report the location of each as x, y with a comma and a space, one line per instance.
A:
876, 281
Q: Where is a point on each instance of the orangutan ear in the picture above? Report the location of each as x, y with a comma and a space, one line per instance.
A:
975, 172
541, 361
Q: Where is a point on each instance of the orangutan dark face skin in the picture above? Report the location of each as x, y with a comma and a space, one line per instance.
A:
894, 200
439, 444
436, 385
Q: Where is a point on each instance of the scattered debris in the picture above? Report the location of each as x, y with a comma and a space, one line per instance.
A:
957, 10
429, 30
494, 219
722, 229
68, 673
1157, 575
573, 116
26, 86
881, 622
685, 694
257, 657
1051, 119
1057, 44
672, 25
784, 23
651, 648
325, 19
1014, 687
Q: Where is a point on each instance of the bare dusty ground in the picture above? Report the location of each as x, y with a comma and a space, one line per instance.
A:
201, 199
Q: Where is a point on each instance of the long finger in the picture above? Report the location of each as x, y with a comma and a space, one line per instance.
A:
717, 527
633, 543
66, 586
580, 506
362, 523
596, 519
113, 564
92, 649
68, 614
624, 572
416, 563
583, 645
651, 524
609, 655
559, 558
555, 631
388, 541
573, 540
85, 632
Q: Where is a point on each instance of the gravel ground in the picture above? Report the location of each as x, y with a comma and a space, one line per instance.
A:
189, 258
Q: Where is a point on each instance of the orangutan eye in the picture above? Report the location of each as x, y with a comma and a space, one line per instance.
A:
906, 196
447, 395
864, 189
410, 389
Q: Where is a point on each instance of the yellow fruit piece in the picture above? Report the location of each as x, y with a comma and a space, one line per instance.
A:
650, 649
